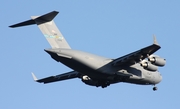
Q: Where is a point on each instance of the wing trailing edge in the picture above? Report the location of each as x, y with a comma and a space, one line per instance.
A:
60, 77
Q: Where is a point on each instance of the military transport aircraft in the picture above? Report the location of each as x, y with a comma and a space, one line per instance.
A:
139, 67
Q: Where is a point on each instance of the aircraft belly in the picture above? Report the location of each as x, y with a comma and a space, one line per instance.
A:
82, 68
83, 65
138, 74
142, 76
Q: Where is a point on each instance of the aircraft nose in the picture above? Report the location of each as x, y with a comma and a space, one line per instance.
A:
159, 79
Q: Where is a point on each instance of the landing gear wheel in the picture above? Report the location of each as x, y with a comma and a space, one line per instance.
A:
155, 88
103, 86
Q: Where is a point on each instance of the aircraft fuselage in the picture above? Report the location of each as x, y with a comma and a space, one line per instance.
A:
98, 67
139, 67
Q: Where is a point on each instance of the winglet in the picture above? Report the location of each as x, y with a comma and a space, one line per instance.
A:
155, 41
34, 77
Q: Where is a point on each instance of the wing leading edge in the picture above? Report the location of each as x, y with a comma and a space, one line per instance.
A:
64, 76
137, 56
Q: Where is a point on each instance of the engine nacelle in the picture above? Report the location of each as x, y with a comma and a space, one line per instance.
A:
156, 60
87, 80
148, 66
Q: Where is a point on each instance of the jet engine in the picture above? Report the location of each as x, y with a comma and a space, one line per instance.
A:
148, 66
87, 80
156, 60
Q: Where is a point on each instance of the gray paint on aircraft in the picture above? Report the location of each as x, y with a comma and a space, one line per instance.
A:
139, 67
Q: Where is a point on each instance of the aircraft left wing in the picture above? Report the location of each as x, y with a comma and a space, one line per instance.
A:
137, 56
64, 76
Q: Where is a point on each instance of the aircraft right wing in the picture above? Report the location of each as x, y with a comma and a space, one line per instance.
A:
64, 76
137, 56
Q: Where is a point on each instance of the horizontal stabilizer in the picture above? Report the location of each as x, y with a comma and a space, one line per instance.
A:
42, 19
48, 29
25, 23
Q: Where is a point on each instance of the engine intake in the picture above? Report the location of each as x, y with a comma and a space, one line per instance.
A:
148, 66
156, 60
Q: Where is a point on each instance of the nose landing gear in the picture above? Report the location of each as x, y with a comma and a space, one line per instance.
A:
155, 88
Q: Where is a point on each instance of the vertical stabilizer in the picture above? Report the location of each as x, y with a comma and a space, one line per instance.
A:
48, 28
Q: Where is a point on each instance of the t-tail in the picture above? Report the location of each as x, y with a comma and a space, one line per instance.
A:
48, 28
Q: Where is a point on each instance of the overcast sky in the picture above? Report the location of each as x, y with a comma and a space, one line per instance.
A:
106, 28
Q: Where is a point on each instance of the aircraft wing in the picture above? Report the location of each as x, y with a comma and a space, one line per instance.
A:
137, 56
64, 76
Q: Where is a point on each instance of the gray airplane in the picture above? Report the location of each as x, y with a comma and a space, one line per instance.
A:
139, 67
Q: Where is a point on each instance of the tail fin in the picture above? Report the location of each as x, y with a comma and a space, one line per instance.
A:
48, 28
